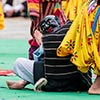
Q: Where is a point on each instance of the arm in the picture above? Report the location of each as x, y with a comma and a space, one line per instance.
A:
38, 37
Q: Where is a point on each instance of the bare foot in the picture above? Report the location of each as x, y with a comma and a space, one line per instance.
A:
95, 87
16, 84
9, 13
94, 90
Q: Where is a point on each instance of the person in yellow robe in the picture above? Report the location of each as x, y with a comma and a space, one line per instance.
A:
83, 42
95, 88
72, 7
1, 16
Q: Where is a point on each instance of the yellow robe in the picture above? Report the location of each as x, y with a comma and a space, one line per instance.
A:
82, 43
1, 17
72, 8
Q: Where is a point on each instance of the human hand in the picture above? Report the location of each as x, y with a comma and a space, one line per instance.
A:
38, 36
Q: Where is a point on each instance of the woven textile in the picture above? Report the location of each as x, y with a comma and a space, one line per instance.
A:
38, 9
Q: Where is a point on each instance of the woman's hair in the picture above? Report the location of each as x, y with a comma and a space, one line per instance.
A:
98, 2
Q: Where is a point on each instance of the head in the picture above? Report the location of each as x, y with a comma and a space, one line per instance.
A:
49, 24
98, 2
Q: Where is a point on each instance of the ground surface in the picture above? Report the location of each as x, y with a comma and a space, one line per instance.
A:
13, 44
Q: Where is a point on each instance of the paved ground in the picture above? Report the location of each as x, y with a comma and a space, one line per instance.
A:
15, 35
16, 28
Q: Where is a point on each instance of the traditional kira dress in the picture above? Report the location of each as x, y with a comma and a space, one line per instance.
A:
83, 41
72, 8
38, 9
1, 17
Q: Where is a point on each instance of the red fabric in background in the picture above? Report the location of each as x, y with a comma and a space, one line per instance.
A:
6, 73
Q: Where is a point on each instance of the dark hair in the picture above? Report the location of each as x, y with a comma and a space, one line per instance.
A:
98, 2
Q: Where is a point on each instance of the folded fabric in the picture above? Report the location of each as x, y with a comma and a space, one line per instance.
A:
6, 73
82, 43
72, 8
38, 53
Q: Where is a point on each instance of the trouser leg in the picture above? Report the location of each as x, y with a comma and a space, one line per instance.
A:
24, 69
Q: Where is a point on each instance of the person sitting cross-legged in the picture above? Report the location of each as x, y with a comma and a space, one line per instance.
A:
55, 73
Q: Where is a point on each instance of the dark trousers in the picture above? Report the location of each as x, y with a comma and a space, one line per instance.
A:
10, 2
15, 14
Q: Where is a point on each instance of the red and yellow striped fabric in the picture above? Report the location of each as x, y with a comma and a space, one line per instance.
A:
33, 7
38, 9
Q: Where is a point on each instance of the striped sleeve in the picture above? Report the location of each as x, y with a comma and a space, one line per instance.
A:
33, 7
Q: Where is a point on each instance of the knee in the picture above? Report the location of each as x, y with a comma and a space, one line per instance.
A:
18, 64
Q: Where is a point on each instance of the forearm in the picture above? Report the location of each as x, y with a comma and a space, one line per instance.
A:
38, 37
